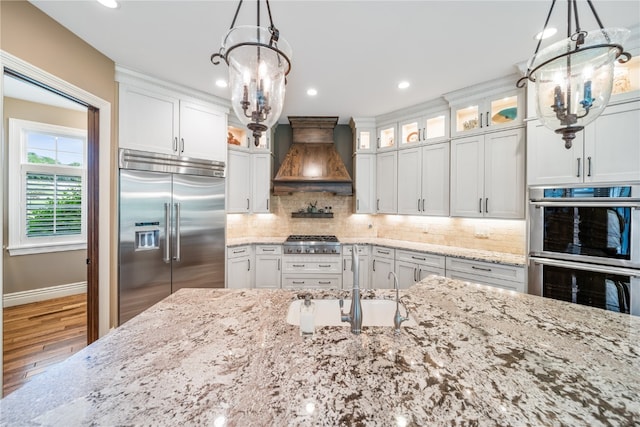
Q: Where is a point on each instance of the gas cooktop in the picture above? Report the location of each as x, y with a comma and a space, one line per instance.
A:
311, 238
312, 244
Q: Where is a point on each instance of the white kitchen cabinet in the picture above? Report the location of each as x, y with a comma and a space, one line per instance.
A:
386, 137
386, 182
606, 151
382, 263
428, 127
161, 121
268, 271
424, 176
248, 181
487, 175
411, 267
239, 267
363, 267
365, 183
481, 113
503, 276
364, 134
312, 271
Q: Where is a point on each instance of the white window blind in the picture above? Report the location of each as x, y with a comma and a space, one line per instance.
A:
53, 204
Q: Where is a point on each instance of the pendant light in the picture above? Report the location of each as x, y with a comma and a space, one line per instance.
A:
259, 61
574, 77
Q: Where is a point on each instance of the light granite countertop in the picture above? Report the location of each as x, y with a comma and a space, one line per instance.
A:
478, 356
472, 254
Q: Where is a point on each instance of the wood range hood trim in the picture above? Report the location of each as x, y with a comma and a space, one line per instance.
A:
312, 163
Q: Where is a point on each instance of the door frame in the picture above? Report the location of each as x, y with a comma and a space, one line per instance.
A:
99, 189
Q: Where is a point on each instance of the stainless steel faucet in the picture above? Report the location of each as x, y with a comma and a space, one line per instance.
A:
397, 318
354, 317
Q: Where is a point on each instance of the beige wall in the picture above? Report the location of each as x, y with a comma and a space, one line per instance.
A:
56, 268
502, 235
32, 36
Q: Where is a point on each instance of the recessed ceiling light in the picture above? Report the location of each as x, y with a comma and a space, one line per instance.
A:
546, 33
221, 83
111, 4
312, 92
403, 85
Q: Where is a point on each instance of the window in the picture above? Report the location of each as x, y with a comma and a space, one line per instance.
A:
47, 185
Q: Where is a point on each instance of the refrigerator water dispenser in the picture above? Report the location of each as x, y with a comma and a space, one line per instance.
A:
147, 236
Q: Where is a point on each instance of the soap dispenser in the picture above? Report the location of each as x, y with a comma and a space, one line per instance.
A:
307, 317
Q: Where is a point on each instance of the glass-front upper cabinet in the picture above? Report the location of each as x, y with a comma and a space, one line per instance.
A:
626, 78
410, 132
364, 134
486, 107
387, 137
429, 127
240, 137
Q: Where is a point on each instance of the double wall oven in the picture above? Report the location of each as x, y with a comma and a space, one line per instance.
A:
585, 246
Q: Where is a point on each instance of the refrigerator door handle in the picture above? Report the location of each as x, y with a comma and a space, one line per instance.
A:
177, 257
167, 236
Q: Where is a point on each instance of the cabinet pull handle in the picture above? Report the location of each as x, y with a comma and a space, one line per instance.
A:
423, 204
480, 205
268, 249
324, 283
383, 252
487, 118
324, 265
486, 205
278, 264
418, 205
374, 265
239, 251
248, 265
480, 120
589, 166
267, 204
344, 265
419, 258
247, 204
415, 272
419, 274
298, 283
357, 204
480, 268
378, 204
298, 265
578, 174
175, 144
424, 134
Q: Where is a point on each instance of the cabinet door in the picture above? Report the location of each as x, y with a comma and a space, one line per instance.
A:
387, 137
410, 132
467, 172
410, 177
203, 133
363, 272
548, 161
268, 271
239, 273
407, 274
386, 184
435, 179
238, 182
148, 120
504, 185
380, 268
612, 145
261, 182
365, 185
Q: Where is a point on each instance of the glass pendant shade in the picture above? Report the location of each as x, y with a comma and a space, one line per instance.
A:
573, 81
257, 74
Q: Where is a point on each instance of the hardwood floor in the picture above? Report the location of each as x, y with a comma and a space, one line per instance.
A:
40, 334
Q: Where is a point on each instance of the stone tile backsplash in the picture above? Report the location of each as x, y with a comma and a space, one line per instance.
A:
486, 234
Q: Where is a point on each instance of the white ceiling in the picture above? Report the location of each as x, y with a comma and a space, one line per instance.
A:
353, 52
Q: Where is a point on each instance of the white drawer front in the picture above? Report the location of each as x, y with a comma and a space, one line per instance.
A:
268, 249
436, 261
238, 251
347, 250
381, 252
486, 269
485, 280
312, 265
311, 282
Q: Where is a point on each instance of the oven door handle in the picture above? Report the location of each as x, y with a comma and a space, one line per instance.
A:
599, 268
587, 204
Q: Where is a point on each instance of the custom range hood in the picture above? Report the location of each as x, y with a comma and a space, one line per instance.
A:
312, 163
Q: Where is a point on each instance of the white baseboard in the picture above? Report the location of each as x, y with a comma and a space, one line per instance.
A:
42, 294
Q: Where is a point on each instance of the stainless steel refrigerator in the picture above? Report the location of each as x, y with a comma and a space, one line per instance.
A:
172, 228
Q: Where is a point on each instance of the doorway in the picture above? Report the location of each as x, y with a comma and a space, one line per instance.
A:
74, 270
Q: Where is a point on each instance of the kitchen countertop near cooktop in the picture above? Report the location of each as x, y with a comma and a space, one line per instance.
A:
478, 356
472, 254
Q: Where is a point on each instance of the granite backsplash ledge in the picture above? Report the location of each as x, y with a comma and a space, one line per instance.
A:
508, 236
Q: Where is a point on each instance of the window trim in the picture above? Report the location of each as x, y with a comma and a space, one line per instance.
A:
19, 243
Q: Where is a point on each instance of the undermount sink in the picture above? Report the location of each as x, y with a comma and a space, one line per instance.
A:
375, 312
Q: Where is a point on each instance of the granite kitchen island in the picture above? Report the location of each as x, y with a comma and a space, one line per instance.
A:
478, 356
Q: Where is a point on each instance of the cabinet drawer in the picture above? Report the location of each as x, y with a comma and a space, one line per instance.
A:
347, 250
486, 280
311, 282
437, 261
382, 252
315, 265
268, 249
238, 251
486, 269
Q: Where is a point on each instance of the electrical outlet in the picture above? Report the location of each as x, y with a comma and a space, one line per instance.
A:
482, 232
